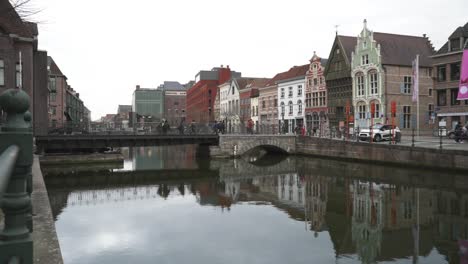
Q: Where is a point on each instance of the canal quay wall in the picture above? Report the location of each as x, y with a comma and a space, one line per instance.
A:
383, 153
46, 248
238, 145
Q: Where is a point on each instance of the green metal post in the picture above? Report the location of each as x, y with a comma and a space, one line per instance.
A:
15, 238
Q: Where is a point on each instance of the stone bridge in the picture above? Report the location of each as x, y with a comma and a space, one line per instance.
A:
237, 145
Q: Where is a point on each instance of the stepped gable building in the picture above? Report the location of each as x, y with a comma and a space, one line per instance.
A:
21, 37
338, 80
201, 96
291, 95
382, 72
316, 96
446, 69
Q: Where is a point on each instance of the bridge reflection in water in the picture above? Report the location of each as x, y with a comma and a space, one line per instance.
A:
353, 213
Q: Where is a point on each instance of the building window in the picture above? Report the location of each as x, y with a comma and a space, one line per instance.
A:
362, 111
53, 110
315, 81
263, 104
315, 99
430, 91
299, 90
365, 59
282, 108
364, 44
407, 84
360, 84
377, 111
256, 109
299, 103
310, 82
455, 71
308, 99
406, 116
2, 72
441, 73
232, 91
52, 84
282, 92
373, 83
322, 99
275, 102
52, 97
18, 75
290, 92
453, 97
441, 97
290, 108
321, 80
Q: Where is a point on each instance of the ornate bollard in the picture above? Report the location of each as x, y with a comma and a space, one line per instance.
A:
15, 238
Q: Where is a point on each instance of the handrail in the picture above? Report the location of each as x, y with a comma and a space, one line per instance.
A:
7, 163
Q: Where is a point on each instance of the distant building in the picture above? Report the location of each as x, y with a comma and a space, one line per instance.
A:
339, 82
316, 96
21, 37
174, 102
446, 71
148, 105
57, 95
201, 96
382, 73
123, 116
291, 95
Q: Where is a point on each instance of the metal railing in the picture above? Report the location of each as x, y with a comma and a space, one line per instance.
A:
16, 158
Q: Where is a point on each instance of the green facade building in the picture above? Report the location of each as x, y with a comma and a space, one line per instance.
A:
148, 104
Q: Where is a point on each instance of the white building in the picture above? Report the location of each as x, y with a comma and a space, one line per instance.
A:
291, 97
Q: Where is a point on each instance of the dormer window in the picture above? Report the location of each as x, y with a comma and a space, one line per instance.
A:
364, 44
455, 44
315, 66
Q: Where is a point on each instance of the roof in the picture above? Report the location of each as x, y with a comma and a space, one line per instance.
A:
294, 72
349, 44
459, 32
11, 23
258, 82
323, 62
172, 86
401, 49
53, 67
124, 108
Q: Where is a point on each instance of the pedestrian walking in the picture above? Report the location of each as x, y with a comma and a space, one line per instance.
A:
459, 133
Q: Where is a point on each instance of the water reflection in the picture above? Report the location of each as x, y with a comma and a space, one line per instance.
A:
299, 210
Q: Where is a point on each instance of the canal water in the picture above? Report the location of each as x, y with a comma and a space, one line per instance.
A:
175, 205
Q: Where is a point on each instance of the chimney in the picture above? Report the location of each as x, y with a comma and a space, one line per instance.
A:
221, 66
228, 66
424, 35
138, 87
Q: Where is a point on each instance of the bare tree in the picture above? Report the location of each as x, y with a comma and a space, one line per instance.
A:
25, 9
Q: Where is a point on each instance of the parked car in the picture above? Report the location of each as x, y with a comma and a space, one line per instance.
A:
380, 132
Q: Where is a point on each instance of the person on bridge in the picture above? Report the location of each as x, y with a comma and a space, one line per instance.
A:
459, 133
250, 125
192, 127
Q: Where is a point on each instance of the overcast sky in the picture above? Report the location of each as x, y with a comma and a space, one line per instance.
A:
106, 47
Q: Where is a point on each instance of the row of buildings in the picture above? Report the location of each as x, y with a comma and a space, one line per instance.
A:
53, 102
354, 87
370, 69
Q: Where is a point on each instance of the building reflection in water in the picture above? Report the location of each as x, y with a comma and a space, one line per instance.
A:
365, 220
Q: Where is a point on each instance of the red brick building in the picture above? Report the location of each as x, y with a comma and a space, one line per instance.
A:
201, 96
28, 73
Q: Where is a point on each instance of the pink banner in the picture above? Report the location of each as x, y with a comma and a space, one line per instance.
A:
463, 88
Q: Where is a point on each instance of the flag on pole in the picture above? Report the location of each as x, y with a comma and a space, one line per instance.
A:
416, 79
463, 87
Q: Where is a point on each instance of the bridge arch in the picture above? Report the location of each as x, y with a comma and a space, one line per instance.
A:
238, 145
